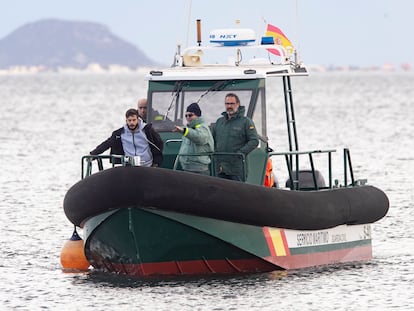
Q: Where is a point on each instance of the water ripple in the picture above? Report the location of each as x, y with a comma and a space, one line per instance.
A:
40, 161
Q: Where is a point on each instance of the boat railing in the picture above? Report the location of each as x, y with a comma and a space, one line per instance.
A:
348, 169
348, 164
292, 159
102, 162
191, 56
293, 164
214, 157
293, 167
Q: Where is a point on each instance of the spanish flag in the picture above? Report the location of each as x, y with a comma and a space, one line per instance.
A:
279, 38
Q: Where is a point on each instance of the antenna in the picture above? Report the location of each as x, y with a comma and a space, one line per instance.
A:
296, 51
188, 23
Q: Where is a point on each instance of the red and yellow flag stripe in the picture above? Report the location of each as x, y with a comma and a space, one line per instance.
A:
278, 35
276, 241
279, 38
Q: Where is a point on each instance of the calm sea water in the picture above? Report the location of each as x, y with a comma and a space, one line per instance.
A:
49, 121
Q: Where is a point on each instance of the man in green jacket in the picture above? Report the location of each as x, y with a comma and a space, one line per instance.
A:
233, 133
197, 139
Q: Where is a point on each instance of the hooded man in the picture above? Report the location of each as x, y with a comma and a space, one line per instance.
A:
134, 139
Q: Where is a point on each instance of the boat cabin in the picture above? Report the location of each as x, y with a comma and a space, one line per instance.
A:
171, 90
195, 78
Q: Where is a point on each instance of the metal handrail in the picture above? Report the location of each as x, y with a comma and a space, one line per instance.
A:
347, 162
86, 162
213, 156
294, 185
169, 141
176, 162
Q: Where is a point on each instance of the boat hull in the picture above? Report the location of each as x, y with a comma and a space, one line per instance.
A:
160, 227
150, 242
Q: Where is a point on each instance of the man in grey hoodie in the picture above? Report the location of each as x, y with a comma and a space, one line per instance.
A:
135, 138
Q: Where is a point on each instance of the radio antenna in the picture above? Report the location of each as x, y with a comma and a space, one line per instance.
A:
297, 49
188, 23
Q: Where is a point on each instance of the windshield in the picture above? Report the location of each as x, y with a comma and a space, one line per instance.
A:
168, 104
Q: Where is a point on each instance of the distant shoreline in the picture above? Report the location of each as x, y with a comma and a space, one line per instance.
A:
116, 69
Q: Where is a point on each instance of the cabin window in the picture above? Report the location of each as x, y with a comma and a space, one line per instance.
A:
168, 100
168, 108
259, 117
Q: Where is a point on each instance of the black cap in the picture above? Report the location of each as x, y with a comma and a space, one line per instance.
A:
194, 108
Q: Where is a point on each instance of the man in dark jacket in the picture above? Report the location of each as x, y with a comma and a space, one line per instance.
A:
233, 133
135, 139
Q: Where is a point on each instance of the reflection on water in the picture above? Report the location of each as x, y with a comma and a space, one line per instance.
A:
49, 121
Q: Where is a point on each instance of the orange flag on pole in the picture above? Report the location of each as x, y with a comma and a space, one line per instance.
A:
279, 38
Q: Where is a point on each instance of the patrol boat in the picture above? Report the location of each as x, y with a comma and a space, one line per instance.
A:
142, 221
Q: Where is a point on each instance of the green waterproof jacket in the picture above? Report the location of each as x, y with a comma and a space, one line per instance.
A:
197, 139
235, 135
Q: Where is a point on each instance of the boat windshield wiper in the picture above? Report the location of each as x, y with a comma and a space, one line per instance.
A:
178, 86
218, 86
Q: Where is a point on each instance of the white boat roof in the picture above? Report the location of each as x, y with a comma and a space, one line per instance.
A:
190, 65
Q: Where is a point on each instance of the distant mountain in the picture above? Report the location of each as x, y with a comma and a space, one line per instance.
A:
56, 43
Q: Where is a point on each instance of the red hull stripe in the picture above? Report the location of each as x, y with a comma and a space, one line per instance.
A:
226, 266
269, 241
285, 244
193, 267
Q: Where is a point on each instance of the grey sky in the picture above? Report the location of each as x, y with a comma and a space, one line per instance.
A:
352, 32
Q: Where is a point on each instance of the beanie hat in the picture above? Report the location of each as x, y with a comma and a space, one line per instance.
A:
194, 108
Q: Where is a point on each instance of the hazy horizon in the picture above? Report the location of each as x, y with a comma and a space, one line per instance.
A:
351, 33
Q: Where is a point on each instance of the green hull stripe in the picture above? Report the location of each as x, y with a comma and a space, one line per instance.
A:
328, 248
246, 237
146, 237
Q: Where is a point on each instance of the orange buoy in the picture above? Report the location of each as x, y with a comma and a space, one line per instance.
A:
269, 180
72, 256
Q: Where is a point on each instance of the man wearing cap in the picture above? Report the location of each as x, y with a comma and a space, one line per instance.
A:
233, 133
197, 139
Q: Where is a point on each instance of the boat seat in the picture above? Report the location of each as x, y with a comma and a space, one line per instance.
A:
306, 180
